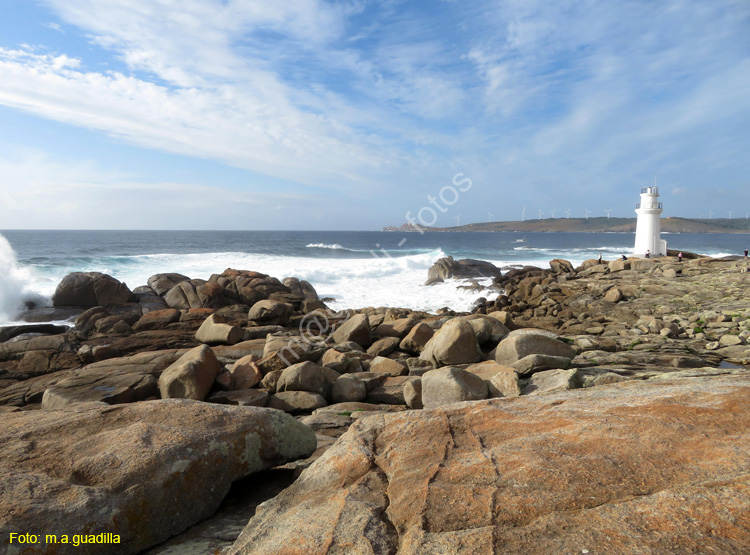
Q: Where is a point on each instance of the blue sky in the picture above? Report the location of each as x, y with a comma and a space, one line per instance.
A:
307, 114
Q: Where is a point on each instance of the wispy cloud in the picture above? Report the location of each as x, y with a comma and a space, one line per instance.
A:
54, 27
59, 194
563, 99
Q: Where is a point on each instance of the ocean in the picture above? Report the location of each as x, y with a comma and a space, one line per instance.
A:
356, 268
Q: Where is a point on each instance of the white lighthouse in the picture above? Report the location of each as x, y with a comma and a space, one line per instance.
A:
648, 226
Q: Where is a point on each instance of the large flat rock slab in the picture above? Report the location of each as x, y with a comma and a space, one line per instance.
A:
144, 472
633, 467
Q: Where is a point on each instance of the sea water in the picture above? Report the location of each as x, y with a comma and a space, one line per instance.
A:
356, 269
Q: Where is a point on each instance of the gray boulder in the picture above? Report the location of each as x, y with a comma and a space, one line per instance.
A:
465, 268
504, 384
551, 381
524, 342
395, 328
90, 289
384, 365
614, 295
270, 312
536, 363
502, 381
185, 295
296, 401
560, 266
504, 318
413, 394
384, 347
301, 288
191, 376
448, 385
356, 328
162, 283
281, 352
100, 385
417, 338
144, 471
453, 343
486, 328
307, 376
215, 331
388, 390
348, 388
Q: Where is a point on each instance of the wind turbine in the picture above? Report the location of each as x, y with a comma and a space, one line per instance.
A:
567, 212
489, 217
523, 214
587, 213
458, 218
710, 214
553, 212
730, 213
608, 211
540, 213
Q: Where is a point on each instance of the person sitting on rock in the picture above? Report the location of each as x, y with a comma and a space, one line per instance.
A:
624, 257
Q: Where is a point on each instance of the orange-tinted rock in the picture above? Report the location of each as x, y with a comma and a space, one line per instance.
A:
157, 319
396, 328
634, 467
195, 314
417, 338
246, 373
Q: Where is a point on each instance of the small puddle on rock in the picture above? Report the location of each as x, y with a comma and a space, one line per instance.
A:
725, 364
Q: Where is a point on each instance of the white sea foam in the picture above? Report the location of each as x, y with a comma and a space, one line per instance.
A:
369, 280
14, 283
334, 246
353, 283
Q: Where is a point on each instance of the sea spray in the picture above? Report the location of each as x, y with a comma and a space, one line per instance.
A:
12, 282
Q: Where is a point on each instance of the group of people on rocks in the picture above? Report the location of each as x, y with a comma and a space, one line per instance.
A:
648, 255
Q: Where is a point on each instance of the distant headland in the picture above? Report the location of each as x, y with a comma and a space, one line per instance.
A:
603, 224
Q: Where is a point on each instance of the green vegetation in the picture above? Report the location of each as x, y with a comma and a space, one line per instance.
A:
634, 344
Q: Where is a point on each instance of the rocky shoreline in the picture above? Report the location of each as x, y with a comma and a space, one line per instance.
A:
598, 409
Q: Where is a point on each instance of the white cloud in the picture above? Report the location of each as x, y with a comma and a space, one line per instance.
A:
223, 123
44, 193
54, 27
557, 98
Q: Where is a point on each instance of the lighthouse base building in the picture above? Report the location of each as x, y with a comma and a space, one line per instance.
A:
648, 226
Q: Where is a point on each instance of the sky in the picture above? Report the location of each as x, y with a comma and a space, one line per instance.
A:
311, 114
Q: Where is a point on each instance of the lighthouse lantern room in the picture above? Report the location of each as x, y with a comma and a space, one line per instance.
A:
648, 226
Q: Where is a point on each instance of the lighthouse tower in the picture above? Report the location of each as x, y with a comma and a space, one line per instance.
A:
648, 227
